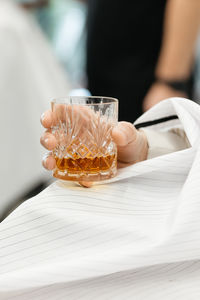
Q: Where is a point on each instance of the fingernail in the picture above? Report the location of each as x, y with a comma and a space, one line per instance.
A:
44, 159
46, 141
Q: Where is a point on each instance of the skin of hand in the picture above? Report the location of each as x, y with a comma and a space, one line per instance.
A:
158, 92
131, 143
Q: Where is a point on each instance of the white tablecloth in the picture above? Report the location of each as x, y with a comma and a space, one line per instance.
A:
136, 237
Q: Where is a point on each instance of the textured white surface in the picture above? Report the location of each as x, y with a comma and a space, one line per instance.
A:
160, 143
136, 237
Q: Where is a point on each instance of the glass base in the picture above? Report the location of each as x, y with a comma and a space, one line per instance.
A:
87, 177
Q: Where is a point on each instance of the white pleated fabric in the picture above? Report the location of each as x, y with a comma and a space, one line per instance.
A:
134, 237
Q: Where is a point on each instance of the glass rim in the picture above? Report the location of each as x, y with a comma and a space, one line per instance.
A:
62, 100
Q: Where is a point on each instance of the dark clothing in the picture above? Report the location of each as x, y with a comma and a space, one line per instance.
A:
124, 39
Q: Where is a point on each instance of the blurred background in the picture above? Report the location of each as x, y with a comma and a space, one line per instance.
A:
64, 24
43, 55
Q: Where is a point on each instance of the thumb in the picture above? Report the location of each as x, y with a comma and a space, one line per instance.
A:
132, 144
124, 133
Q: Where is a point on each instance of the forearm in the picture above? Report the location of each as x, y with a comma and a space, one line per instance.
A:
181, 26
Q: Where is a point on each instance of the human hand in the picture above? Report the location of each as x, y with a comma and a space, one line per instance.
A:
131, 144
158, 92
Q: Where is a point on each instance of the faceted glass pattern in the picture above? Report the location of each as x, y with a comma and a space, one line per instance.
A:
85, 149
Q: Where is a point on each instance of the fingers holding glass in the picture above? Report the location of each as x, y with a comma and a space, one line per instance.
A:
85, 184
85, 150
49, 162
124, 133
47, 119
48, 140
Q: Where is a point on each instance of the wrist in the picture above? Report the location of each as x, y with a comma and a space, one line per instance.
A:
179, 85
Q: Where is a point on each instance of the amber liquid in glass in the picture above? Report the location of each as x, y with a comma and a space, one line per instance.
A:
83, 166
